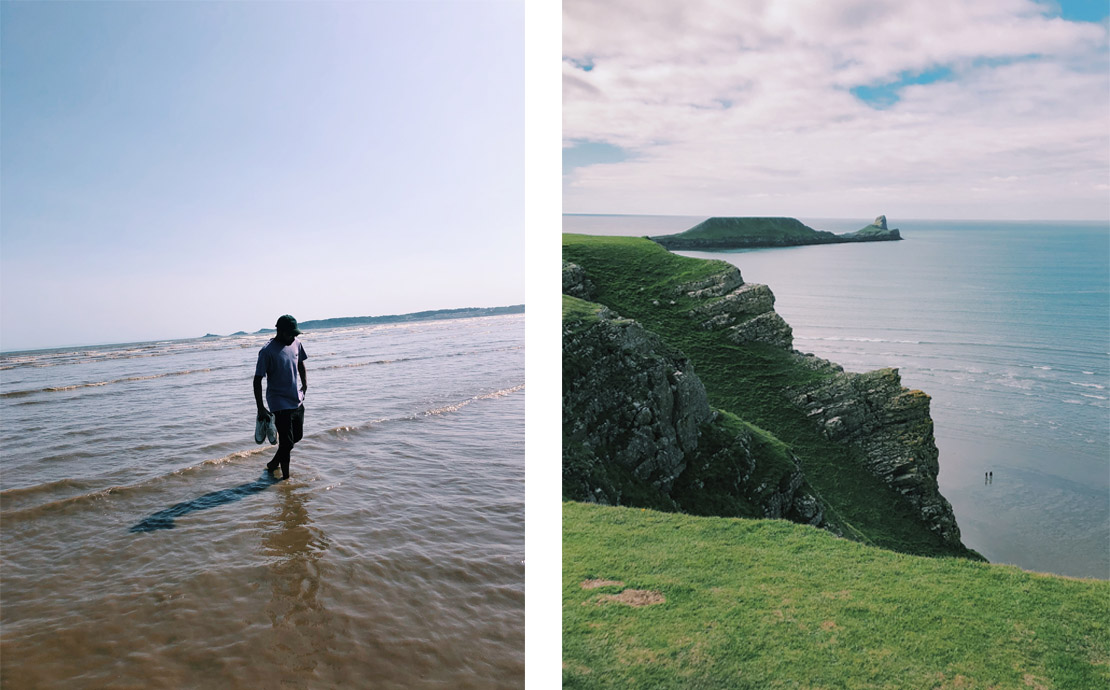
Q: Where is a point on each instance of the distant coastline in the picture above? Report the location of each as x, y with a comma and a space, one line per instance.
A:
746, 233
430, 315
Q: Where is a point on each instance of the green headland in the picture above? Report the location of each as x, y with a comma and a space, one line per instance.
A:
743, 233
743, 515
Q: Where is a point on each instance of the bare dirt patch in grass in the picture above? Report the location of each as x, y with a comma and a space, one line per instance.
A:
636, 597
594, 584
1034, 682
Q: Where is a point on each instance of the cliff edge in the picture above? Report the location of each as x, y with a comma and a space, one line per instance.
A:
638, 430
856, 448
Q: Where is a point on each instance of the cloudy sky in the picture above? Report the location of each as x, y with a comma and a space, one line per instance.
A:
993, 109
172, 169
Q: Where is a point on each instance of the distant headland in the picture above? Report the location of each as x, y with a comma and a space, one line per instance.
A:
744, 233
432, 315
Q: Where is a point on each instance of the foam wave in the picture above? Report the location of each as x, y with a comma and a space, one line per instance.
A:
846, 339
465, 353
1088, 385
354, 365
454, 407
95, 384
36, 489
459, 405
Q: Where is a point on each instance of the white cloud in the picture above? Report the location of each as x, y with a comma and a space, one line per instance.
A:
746, 108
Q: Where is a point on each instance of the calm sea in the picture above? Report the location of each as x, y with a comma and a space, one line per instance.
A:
142, 548
1006, 325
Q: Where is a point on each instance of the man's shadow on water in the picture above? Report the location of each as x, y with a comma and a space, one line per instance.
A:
163, 519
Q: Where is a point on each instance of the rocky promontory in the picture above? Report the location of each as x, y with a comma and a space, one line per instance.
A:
638, 430
746, 233
892, 427
760, 429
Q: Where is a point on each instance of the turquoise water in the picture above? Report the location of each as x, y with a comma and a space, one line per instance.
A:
1006, 325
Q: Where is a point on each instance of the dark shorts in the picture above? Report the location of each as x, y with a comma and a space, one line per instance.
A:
290, 426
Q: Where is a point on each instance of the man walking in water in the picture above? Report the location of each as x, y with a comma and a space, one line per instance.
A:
280, 362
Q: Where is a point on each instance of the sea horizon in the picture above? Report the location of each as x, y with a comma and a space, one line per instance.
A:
261, 331
852, 218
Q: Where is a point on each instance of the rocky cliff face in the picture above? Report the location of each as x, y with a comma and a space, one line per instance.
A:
575, 282
891, 425
638, 430
650, 393
746, 310
630, 398
873, 412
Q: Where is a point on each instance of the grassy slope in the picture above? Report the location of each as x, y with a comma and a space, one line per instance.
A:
771, 604
752, 228
748, 381
579, 312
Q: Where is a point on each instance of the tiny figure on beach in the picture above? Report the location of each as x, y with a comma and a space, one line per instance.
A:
281, 362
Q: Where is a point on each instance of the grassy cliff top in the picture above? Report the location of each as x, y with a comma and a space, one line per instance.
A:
751, 228
640, 280
734, 603
651, 262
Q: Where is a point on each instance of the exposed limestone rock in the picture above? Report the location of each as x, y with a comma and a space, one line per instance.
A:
892, 427
741, 304
747, 310
575, 282
633, 404
767, 328
631, 399
880, 222
716, 285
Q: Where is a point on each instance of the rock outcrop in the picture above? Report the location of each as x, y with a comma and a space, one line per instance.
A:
638, 430
575, 282
746, 310
630, 398
873, 412
891, 426
876, 232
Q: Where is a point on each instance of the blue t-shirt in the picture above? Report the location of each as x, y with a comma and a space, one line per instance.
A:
278, 363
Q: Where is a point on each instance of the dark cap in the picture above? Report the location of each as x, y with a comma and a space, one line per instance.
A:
287, 324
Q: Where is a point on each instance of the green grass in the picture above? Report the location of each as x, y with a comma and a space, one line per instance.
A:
579, 312
772, 604
637, 279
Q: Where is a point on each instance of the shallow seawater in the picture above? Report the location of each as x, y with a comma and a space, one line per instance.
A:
144, 547
1005, 325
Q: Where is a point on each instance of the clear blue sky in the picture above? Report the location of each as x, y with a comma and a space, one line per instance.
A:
172, 169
